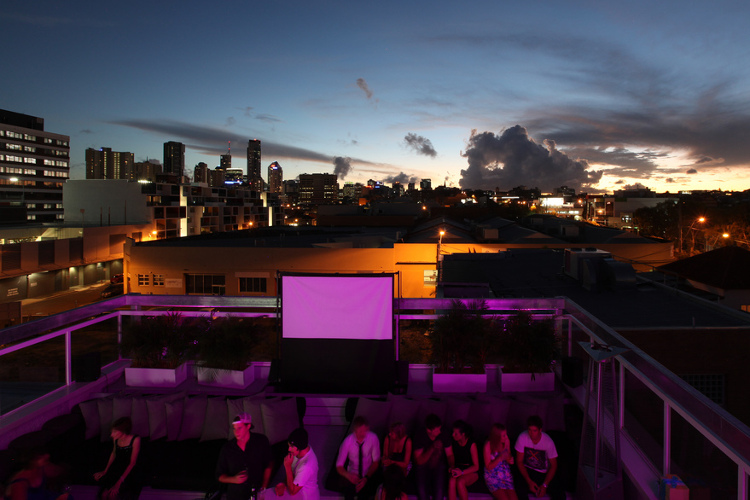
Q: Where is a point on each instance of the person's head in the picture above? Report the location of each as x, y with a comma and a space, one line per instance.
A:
534, 426
498, 433
433, 424
34, 458
241, 425
393, 482
298, 441
397, 431
461, 430
361, 427
121, 427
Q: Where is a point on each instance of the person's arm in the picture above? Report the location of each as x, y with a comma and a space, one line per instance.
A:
550, 474
19, 490
489, 463
293, 488
524, 473
407, 454
99, 475
387, 451
450, 457
341, 460
474, 467
222, 474
136, 444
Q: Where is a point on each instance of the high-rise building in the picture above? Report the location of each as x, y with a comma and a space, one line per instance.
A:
174, 158
145, 170
275, 178
103, 163
200, 174
254, 179
34, 164
318, 189
425, 184
225, 161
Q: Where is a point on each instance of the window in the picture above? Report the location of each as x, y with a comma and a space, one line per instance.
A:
29, 149
47, 140
143, 280
49, 163
29, 160
13, 147
158, 280
255, 285
205, 284
14, 135
28, 137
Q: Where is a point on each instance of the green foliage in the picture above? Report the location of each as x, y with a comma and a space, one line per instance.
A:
462, 338
414, 342
164, 341
528, 346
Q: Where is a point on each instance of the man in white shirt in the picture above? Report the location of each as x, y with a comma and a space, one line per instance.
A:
536, 456
300, 468
361, 449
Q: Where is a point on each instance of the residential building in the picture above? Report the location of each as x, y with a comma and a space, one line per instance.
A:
254, 178
275, 178
34, 164
103, 163
201, 173
145, 171
318, 189
174, 158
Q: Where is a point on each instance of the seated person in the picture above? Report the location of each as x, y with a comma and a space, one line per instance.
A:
463, 461
300, 469
536, 457
120, 479
245, 461
30, 483
498, 457
397, 448
429, 459
393, 484
361, 450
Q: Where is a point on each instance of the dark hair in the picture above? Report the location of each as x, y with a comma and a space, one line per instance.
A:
432, 421
359, 421
534, 421
123, 424
462, 427
299, 438
393, 482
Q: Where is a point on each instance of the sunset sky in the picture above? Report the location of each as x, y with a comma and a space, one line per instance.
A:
596, 95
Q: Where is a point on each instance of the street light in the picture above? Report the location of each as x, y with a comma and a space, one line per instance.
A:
438, 261
690, 229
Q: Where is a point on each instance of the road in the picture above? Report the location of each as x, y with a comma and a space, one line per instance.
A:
63, 301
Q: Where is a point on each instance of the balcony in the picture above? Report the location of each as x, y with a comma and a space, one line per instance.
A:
664, 425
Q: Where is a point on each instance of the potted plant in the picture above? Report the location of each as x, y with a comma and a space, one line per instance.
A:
225, 348
158, 347
461, 342
528, 347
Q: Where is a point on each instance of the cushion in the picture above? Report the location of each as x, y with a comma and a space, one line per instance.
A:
122, 406
139, 416
174, 411
215, 425
106, 409
457, 409
439, 408
480, 417
251, 405
377, 414
193, 417
280, 418
90, 412
406, 411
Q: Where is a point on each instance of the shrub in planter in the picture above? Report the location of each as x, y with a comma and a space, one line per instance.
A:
164, 341
527, 345
229, 343
463, 338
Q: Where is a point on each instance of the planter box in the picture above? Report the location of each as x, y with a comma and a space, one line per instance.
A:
521, 382
156, 377
459, 382
233, 379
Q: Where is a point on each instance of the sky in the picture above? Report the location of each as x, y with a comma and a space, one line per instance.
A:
594, 95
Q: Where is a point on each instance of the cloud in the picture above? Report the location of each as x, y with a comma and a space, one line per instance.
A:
86, 131
361, 83
267, 118
210, 140
342, 166
230, 121
401, 178
692, 171
513, 158
420, 144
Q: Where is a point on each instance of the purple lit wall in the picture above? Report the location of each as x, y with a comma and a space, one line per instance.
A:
337, 333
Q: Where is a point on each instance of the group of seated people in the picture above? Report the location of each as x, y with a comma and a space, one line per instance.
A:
440, 462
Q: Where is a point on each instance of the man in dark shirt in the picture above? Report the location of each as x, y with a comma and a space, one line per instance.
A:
244, 462
429, 459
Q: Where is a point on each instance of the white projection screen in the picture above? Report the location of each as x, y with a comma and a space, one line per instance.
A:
337, 333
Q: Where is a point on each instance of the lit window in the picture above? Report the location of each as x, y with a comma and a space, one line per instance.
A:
29, 160
158, 280
143, 280
13, 147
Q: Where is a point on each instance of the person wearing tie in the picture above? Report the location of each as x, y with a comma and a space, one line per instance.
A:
358, 460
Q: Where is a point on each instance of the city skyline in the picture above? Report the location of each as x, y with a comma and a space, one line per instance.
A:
594, 95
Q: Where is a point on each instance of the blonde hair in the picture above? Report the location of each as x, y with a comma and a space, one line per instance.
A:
496, 435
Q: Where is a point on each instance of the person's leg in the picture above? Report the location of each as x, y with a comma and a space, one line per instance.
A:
439, 481
462, 484
452, 486
422, 482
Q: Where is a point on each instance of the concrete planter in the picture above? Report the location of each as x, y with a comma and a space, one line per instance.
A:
156, 377
459, 382
232, 379
522, 382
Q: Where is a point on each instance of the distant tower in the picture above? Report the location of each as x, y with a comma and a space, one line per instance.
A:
201, 173
275, 178
253, 164
174, 158
225, 161
103, 163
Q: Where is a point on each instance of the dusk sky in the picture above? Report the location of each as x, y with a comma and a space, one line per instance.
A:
596, 95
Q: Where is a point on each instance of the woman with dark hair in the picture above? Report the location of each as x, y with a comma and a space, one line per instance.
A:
397, 448
119, 480
30, 483
498, 457
463, 461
